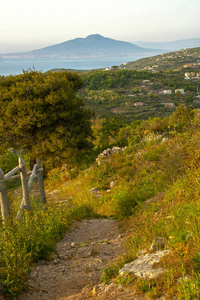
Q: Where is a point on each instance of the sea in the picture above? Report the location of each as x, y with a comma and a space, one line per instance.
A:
14, 66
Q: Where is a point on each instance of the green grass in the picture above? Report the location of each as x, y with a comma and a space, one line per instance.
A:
109, 273
31, 239
156, 194
26, 241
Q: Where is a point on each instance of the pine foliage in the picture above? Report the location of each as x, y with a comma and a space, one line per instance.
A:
41, 113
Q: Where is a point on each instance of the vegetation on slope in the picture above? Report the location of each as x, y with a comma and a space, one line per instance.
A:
135, 90
138, 94
155, 193
184, 58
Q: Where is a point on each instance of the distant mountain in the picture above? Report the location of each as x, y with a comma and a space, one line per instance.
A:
172, 46
93, 45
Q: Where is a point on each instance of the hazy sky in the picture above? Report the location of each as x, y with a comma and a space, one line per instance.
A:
29, 24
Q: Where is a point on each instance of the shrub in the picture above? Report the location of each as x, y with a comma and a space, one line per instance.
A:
8, 161
109, 273
33, 238
126, 205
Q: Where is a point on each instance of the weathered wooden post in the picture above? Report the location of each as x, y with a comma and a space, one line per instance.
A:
3, 197
32, 177
24, 180
41, 182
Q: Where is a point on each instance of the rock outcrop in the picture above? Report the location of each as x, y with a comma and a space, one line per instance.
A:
143, 266
106, 153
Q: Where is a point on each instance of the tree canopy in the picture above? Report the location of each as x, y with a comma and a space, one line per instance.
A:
41, 113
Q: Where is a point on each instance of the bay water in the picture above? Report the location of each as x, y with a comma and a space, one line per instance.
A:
13, 66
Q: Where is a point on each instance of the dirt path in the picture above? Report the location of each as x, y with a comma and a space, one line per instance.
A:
75, 270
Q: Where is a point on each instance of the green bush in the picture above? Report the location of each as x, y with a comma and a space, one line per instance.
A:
126, 205
109, 273
22, 242
8, 161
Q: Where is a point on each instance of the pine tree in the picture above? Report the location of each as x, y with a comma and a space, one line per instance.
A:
41, 113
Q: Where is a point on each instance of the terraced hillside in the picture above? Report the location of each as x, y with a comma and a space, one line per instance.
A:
186, 58
144, 88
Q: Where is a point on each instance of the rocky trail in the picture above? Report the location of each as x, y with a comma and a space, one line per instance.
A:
75, 269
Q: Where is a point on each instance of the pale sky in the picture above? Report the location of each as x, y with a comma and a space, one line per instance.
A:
32, 24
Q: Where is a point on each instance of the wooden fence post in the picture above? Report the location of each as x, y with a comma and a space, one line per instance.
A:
24, 180
41, 182
3, 197
32, 177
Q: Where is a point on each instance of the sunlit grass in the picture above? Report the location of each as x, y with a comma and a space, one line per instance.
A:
156, 194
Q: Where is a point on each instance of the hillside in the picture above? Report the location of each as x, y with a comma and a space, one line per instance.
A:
171, 60
92, 46
152, 188
144, 88
137, 181
155, 184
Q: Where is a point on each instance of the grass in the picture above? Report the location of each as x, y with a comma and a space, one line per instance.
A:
26, 241
109, 273
176, 216
156, 194
167, 175
32, 238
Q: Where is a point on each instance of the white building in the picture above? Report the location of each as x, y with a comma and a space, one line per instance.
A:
167, 92
187, 76
180, 91
190, 75
169, 105
139, 103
